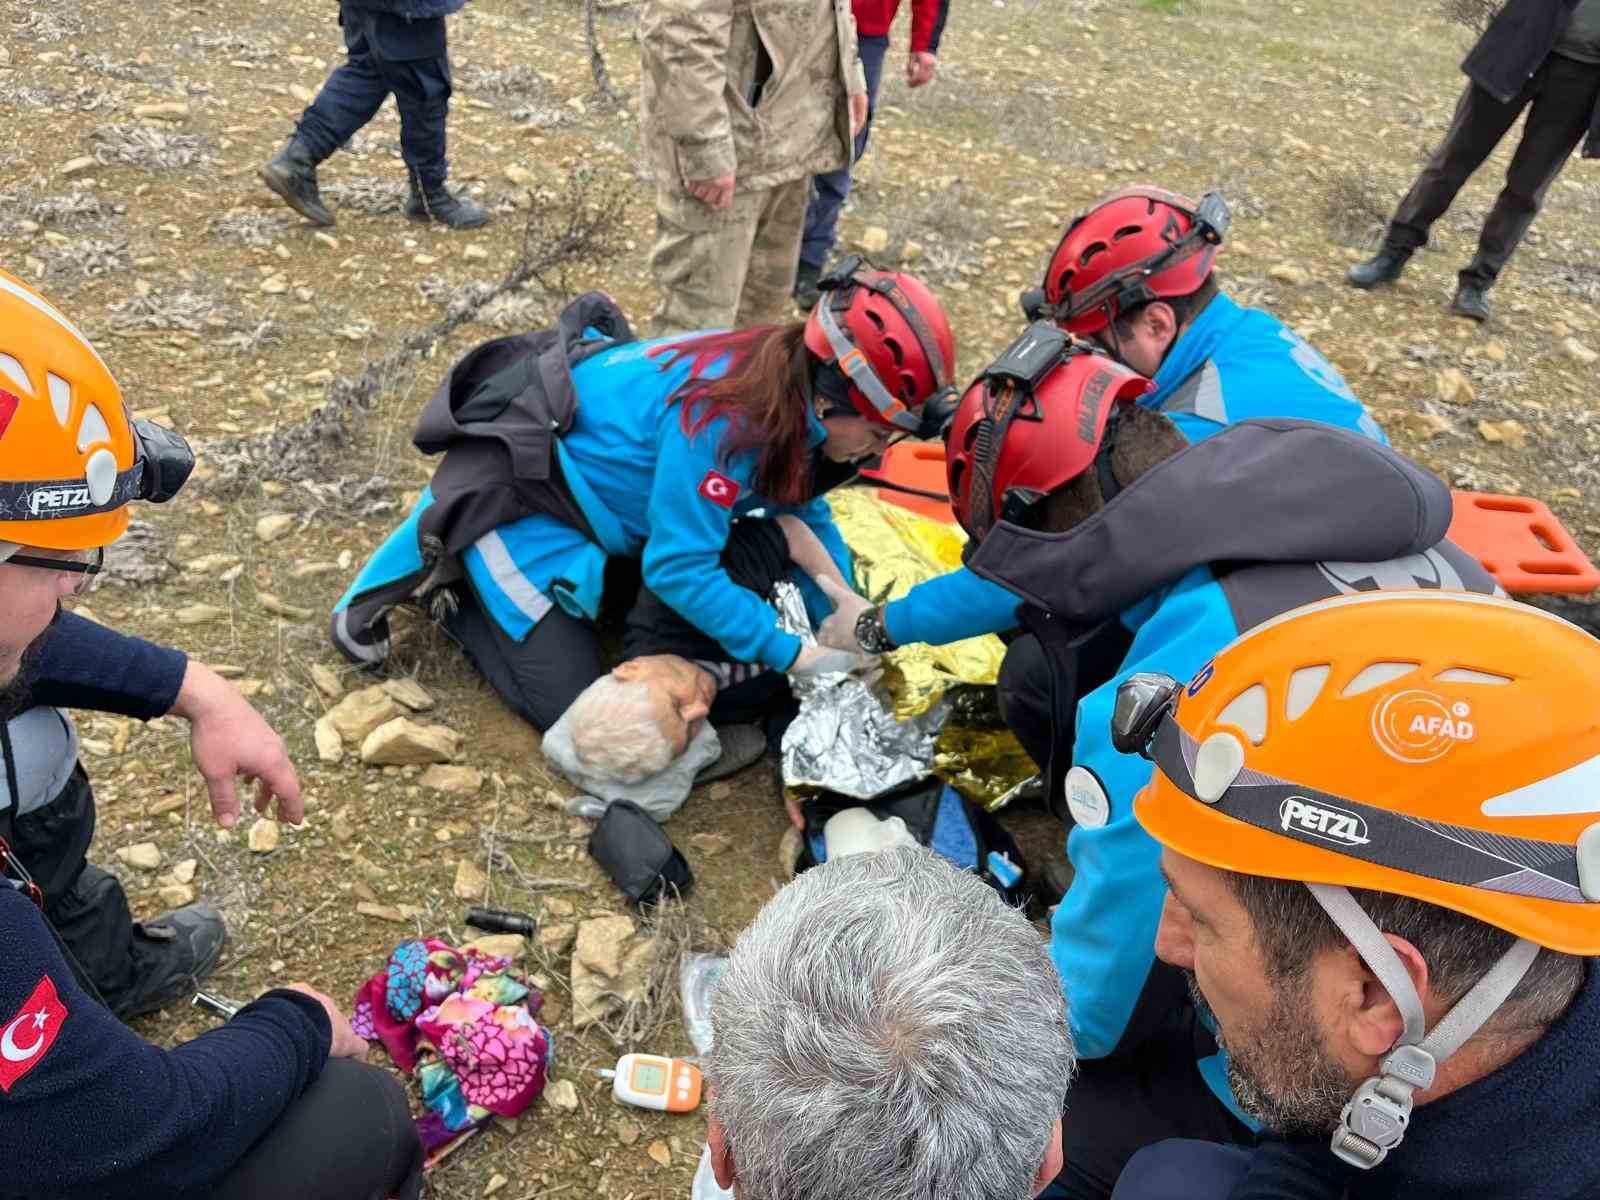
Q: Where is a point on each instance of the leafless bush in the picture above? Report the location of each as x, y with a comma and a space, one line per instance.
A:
520, 82
1580, 279
234, 45
58, 210
1355, 207
100, 64
1470, 14
137, 557
581, 228
86, 257
249, 227
189, 311
27, 96
251, 341
371, 196
144, 146
49, 22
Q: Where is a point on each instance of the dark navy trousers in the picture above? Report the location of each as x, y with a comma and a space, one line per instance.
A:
830, 191
386, 54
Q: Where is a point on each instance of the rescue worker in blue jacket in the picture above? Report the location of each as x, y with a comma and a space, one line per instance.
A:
1133, 274
1206, 540
670, 442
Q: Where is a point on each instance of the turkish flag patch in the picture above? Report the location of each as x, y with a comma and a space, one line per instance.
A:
719, 489
8, 409
27, 1037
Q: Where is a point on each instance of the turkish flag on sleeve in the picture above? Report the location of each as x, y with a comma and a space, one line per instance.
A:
719, 489
30, 1032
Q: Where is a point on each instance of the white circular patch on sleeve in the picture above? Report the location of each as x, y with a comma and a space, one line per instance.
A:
101, 475
1086, 799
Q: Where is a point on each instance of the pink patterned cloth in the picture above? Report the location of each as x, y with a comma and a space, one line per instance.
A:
463, 1023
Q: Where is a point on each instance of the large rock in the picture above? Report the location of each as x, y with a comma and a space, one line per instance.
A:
264, 835
408, 692
611, 966
359, 713
402, 743
471, 883
274, 525
1454, 387
330, 746
144, 855
458, 781
1580, 353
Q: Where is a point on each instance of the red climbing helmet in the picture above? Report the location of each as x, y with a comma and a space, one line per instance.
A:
1140, 244
1036, 418
888, 336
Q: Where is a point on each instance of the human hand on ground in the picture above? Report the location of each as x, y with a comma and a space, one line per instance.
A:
346, 1042
921, 68
715, 194
229, 738
838, 631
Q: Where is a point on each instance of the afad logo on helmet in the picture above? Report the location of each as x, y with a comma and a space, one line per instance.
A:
1417, 726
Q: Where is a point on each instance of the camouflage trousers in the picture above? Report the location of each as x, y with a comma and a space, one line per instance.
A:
722, 270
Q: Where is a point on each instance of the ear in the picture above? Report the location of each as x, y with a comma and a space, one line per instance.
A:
1051, 1166
1159, 321
628, 670
721, 1155
1373, 1021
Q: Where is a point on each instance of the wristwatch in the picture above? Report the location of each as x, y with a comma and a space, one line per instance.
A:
871, 636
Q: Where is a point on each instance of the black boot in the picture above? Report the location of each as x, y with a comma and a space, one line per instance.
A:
806, 293
1383, 267
292, 173
1471, 301
171, 955
441, 205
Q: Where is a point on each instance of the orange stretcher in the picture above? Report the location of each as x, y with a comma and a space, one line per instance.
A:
913, 476
1521, 543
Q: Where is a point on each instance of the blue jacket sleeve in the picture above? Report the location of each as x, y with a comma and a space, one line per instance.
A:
85, 665
683, 552
951, 607
1103, 936
104, 1113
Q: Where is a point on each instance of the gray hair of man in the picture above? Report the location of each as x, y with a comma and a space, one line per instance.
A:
616, 731
887, 1027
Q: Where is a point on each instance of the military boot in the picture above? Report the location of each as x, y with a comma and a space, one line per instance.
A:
292, 173
171, 954
1383, 267
440, 204
806, 292
1471, 301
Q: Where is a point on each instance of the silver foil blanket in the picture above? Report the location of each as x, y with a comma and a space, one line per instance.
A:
847, 739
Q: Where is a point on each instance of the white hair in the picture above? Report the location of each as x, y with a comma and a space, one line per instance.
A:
616, 731
886, 1028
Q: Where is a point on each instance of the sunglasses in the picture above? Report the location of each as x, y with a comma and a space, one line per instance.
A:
85, 564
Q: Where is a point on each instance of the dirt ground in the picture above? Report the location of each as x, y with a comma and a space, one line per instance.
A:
128, 149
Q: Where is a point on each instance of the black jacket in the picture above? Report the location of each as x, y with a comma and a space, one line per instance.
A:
1514, 46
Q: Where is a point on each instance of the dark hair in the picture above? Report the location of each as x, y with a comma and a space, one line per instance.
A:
1184, 308
762, 392
1292, 928
1142, 439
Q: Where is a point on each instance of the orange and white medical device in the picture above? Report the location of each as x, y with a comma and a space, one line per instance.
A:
651, 1081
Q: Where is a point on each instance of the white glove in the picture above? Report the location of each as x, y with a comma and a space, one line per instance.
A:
821, 660
839, 630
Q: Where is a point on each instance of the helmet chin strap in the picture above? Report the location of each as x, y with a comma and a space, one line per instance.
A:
1375, 1120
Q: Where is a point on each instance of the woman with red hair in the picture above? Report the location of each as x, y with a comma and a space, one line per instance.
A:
674, 441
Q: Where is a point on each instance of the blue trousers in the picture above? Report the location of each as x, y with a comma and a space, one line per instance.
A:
386, 54
830, 191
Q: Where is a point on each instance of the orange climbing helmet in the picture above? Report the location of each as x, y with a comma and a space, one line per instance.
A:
70, 456
1441, 746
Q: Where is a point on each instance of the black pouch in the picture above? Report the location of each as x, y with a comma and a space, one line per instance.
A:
638, 856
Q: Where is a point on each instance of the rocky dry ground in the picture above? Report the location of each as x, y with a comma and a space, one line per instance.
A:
296, 361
